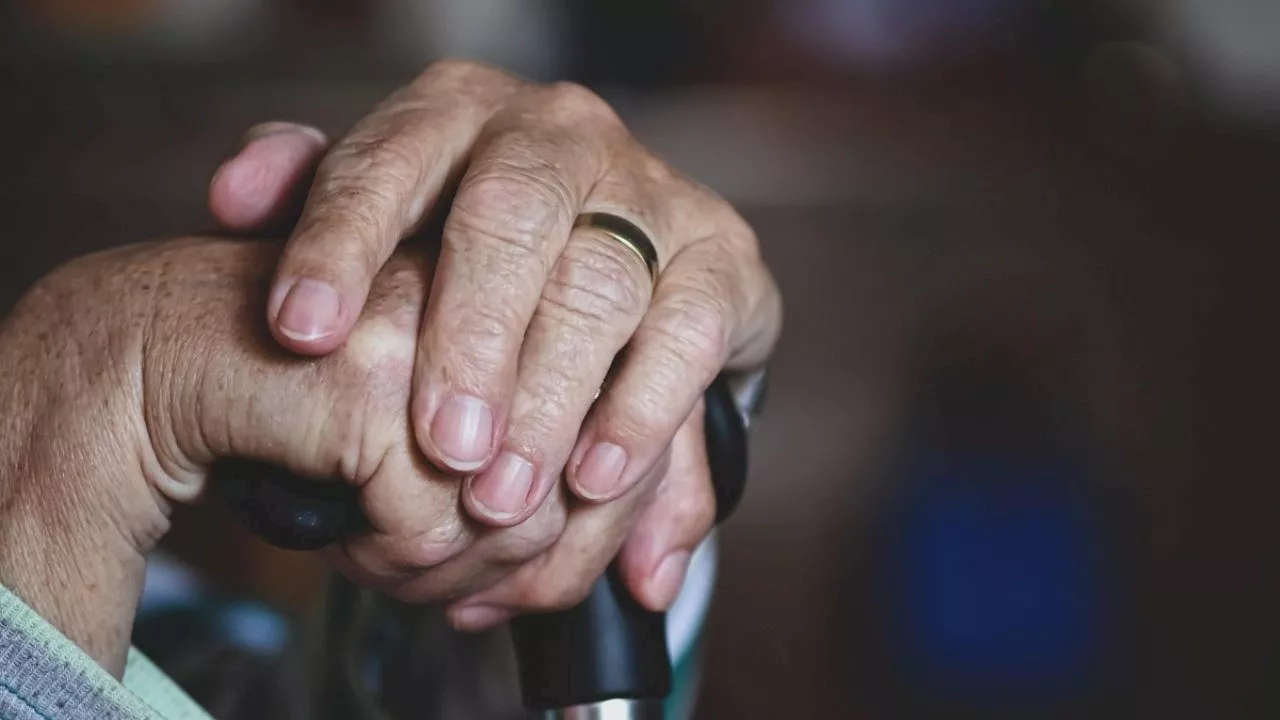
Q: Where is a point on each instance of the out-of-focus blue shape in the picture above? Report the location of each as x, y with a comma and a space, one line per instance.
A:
995, 579
253, 627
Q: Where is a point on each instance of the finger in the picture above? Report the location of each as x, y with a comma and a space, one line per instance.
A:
655, 557
563, 575
592, 304
414, 525
488, 557
266, 177
680, 346
507, 226
372, 189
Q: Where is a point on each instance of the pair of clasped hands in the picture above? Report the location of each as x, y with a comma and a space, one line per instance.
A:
499, 471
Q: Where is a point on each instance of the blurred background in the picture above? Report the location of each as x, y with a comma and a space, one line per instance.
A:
1015, 461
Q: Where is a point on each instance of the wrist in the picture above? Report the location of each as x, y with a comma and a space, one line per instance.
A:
81, 576
76, 514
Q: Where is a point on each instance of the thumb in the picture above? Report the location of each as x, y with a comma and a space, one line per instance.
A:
266, 180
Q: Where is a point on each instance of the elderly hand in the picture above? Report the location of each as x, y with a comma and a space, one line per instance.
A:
125, 375
528, 313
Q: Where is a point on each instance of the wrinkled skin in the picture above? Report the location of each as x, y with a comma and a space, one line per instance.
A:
125, 374
528, 313
529, 317
456, 397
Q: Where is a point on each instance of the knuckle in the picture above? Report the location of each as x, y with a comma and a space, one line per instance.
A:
643, 415
738, 235
660, 173
693, 330
380, 352
451, 67
476, 343
384, 561
397, 297
427, 550
459, 69
523, 175
687, 340
546, 412
569, 94
359, 432
387, 157
494, 320
547, 525
461, 83
479, 340
595, 283
566, 92
530, 539
512, 206
346, 205
570, 100
546, 536
542, 404
357, 199
695, 510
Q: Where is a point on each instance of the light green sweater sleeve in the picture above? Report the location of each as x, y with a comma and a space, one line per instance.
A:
44, 676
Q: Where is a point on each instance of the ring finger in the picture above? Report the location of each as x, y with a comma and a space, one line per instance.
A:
593, 301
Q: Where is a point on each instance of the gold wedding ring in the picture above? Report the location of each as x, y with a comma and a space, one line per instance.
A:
624, 231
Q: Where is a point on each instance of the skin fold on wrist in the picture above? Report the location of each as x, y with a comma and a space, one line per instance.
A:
65, 548
76, 513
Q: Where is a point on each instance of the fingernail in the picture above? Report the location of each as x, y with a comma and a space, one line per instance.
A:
601, 470
461, 432
310, 311
503, 489
270, 129
478, 617
669, 578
